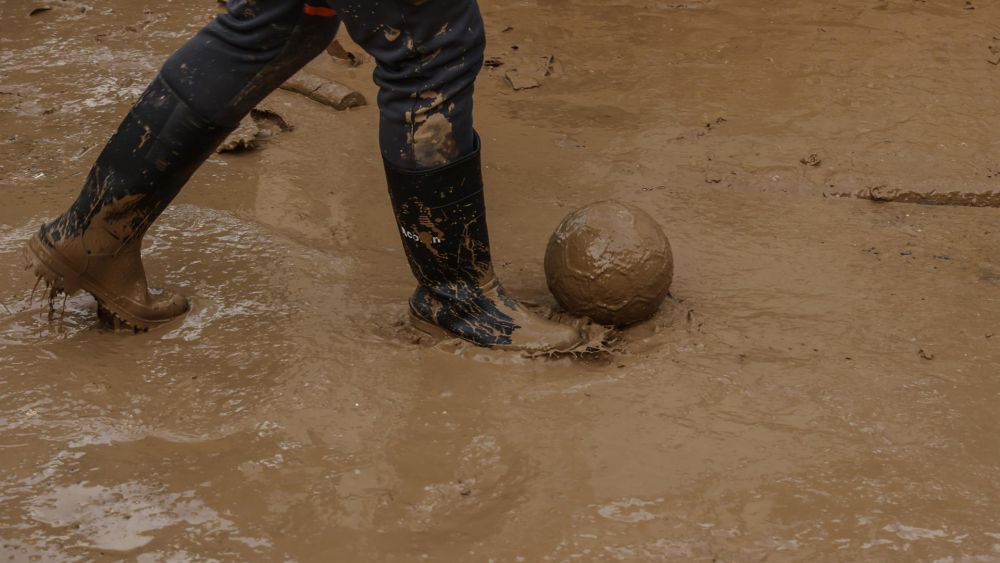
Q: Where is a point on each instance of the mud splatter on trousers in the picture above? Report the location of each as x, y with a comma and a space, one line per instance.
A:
428, 53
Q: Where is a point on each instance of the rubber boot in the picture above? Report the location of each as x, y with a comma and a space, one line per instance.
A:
441, 214
95, 246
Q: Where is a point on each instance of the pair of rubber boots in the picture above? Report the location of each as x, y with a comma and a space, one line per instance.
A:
95, 246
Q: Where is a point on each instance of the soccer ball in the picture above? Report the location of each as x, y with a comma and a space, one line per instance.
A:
611, 262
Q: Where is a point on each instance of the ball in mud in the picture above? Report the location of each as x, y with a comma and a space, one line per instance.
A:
611, 262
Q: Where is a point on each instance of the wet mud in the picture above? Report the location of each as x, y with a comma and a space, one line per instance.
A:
821, 386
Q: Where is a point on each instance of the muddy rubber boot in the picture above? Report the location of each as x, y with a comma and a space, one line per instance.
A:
95, 246
441, 214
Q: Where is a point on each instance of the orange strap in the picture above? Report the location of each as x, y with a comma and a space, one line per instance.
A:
311, 10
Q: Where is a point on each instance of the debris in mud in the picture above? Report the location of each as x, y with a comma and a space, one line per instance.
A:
695, 5
599, 341
877, 193
527, 72
244, 138
338, 53
326, 92
711, 126
881, 194
549, 65
260, 125
263, 113
925, 355
56, 5
493, 62
812, 160
714, 124
518, 81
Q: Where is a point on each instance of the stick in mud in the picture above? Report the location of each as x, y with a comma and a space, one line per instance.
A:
324, 91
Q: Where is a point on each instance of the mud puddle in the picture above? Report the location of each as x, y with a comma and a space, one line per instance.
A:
821, 385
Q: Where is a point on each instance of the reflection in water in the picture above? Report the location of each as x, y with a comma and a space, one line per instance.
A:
122, 517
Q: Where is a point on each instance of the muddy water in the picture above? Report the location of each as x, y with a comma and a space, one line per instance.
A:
821, 386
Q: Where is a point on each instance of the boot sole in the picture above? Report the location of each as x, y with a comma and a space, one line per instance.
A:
51, 267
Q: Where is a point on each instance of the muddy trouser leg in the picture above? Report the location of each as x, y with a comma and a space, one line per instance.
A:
244, 54
202, 91
200, 95
429, 53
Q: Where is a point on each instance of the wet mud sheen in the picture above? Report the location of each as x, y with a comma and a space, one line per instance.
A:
819, 386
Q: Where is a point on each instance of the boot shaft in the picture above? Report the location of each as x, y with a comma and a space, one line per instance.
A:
441, 215
155, 150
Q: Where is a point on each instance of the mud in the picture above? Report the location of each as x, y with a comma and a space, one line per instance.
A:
611, 262
822, 386
257, 128
433, 143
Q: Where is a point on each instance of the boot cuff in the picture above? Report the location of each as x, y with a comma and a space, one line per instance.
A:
438, 187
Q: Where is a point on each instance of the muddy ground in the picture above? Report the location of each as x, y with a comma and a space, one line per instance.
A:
822, 386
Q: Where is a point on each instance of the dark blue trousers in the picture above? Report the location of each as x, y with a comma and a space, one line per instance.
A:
428, 54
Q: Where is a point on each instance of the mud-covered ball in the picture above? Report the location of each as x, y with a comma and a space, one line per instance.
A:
611, 262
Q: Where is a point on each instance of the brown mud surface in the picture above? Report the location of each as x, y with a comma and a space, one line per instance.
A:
822, 386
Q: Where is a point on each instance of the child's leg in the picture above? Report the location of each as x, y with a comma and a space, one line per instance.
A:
243, 55
429, 53
201, 94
